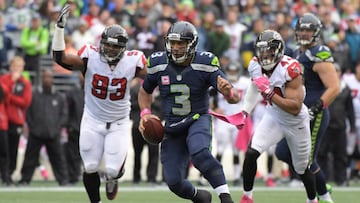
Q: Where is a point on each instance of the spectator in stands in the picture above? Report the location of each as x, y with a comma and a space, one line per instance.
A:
219, 40
122, 14
45, 117
186, 11
91, 17
17, 17
82, 36
205, 6
34, 42
159, 44
352, 37
152, 8
143, 35
17, 102
138, 141
74, 14
4, 157
75, 104
235, 30
6, 46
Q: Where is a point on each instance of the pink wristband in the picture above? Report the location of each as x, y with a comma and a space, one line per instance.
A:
230, 96
144, 112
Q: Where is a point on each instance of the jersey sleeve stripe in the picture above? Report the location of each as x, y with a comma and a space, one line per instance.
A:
205, 68
156, 68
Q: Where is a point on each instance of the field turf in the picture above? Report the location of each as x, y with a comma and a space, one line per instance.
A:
40, 192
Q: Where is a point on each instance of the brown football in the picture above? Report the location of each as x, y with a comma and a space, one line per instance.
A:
154, 131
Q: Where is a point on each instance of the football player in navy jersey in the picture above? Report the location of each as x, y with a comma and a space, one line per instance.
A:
184, 76
322, 87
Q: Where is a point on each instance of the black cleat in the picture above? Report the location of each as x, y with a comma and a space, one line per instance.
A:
111, 188
202, 196
225, 198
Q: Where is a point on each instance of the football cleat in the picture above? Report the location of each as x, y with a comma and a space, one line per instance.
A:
111, 188
202, 196
312, 201
246, 199
225, 198
270, 182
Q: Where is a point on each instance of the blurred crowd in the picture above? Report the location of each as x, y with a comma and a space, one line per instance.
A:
228, 28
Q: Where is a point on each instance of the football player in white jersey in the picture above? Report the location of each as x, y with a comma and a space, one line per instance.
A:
353, 81
227, 134
279, 79
105, 127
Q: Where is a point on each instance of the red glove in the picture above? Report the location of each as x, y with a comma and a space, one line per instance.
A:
237, 119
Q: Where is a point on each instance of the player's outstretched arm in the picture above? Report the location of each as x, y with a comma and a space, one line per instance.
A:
230, 93
68, 61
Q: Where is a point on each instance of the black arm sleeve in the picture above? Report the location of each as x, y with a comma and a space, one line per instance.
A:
57, 56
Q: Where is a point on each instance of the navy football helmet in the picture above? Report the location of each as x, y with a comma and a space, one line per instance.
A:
181, 31
113, 43
308, 22
269, 49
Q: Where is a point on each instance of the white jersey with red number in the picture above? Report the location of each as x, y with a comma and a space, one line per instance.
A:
287, 69
276, 123
354, 85
107, 88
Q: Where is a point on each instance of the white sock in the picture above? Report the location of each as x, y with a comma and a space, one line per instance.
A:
222, 189
249, 193
326, 197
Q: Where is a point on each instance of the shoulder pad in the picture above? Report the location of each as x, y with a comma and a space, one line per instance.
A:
206, 58
157, 61
294, 69
321, 53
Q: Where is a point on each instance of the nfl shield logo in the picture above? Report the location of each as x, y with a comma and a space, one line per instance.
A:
165, 80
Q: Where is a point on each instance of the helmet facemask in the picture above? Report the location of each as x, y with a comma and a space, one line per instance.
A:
186, 51
269, 53
112, 52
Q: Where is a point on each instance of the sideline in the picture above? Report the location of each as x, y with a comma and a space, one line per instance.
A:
156, 188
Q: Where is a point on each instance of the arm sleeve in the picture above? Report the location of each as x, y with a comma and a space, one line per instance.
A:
251, 98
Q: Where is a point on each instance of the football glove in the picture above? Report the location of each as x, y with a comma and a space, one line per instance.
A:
316, 108
263, 85
64, 13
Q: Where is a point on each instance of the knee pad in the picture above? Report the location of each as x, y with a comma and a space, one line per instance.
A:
91, 168
114, 174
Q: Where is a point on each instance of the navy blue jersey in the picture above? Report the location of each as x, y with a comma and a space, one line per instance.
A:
313, 84
184, 89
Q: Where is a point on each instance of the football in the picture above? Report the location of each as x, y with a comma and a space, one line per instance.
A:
154, 131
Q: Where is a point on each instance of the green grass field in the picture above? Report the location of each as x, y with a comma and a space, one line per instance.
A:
50, 193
